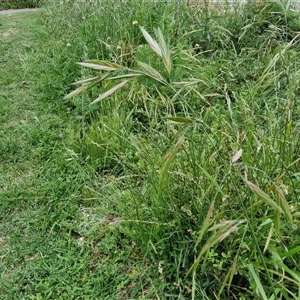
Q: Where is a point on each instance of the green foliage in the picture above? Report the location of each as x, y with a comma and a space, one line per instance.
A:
181, 141
14, 4
56, 241
195, 209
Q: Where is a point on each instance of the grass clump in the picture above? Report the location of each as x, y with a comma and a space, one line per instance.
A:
17, 4
183, 146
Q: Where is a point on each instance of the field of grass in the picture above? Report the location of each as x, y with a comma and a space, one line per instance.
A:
169, 170
55, 241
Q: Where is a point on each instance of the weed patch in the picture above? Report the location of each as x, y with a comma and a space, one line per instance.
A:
170, 169
217, 170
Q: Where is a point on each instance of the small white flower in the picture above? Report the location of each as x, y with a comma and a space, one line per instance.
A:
197, 46
68, 45
81, 241
135, 23
160, 267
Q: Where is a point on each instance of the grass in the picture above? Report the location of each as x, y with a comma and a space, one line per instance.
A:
19, 4
55, 242
172, 173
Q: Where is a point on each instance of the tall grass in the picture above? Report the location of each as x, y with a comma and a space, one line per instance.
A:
15, 4
195, 124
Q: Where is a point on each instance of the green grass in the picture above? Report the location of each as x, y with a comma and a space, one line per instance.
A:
182, 184
55, 243
12, 4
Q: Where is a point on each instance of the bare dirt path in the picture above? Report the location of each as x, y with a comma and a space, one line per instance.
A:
13, 11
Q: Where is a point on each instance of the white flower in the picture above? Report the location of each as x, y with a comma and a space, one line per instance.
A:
81, 241
160, 267
135, 23
68, 45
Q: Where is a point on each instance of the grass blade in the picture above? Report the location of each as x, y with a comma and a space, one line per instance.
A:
168, 159
181, 120
289, 271
76, 92
103, 66
290, 252
213, 180
93, 81
151, 72
104, 63
264, 196
109, 92
165, 53
229, 276
269, 238
257, 281
153, 44
205, 224
86, 80
283, 203
125, 76
226, 228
